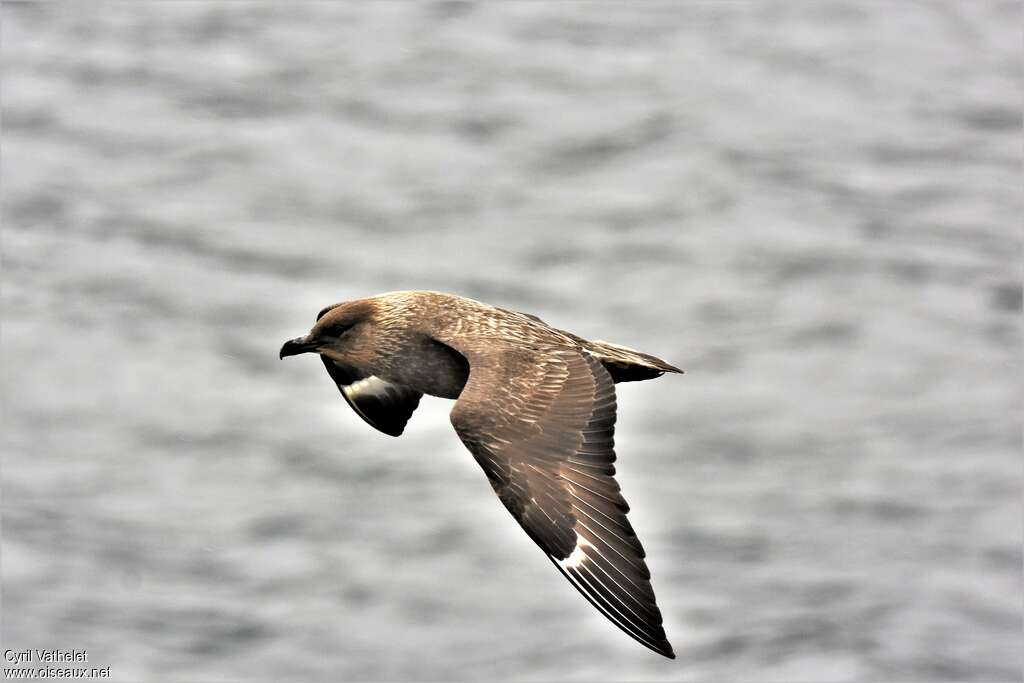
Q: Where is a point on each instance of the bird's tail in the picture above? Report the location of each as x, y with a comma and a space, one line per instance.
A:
629, 365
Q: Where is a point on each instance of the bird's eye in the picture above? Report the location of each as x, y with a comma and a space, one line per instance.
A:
338, 330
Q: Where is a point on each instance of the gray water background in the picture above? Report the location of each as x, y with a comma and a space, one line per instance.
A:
813, 207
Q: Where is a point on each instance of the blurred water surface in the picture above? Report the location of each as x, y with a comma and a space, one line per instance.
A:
812, 207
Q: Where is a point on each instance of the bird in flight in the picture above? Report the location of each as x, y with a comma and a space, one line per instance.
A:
536, 408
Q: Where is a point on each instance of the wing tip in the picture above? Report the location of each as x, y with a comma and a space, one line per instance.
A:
661, 647
665, 650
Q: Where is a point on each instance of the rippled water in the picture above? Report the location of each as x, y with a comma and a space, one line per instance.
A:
812, 207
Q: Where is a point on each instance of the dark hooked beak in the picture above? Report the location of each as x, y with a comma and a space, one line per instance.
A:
294, 347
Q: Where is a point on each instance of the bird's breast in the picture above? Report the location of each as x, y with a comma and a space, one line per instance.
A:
429, 367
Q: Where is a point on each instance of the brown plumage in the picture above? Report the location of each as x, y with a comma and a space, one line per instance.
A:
536, 408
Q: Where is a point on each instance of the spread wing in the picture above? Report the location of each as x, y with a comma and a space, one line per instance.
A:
383, 405
540, 425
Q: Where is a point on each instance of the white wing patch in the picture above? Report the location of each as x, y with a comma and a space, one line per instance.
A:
578, 554
385, 406
372, 386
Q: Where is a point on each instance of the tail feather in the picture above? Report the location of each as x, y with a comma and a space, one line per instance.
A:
629, 365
